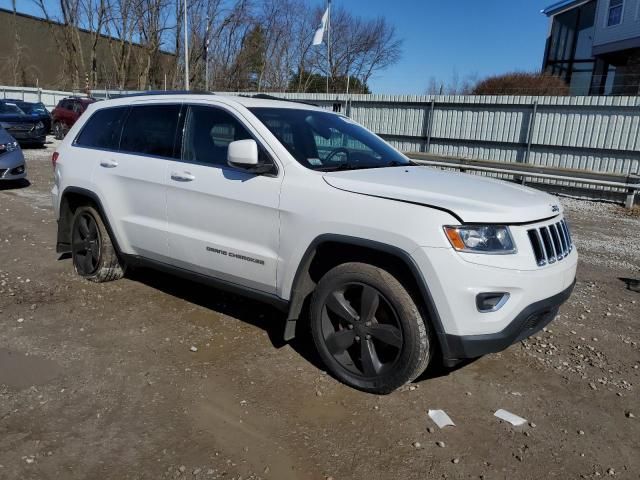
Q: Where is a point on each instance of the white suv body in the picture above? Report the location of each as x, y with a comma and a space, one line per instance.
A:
496, 274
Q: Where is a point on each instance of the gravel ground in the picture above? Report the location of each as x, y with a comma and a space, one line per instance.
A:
153, 377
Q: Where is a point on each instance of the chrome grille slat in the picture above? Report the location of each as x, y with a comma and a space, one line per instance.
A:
568, 232
563, 239
557, 244
550, 243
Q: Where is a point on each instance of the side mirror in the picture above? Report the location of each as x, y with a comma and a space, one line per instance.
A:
243, 154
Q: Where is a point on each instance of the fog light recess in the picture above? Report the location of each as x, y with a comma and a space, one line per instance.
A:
491, 301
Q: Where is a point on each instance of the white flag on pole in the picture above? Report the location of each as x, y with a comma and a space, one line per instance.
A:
317, 37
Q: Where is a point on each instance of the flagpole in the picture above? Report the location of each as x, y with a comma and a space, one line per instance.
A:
186, 49
206, 56
328, 42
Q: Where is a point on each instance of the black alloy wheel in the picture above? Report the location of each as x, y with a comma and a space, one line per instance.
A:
86, 244
367, 328
361, 329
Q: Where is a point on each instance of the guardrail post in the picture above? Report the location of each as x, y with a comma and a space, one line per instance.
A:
530, 131
430, 126
631, 192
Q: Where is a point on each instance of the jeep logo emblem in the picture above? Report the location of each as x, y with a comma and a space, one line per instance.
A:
555, 208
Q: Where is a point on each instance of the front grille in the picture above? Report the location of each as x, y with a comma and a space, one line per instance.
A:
21, 127
551, 243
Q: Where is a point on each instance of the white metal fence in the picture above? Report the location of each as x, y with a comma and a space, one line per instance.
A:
596, 134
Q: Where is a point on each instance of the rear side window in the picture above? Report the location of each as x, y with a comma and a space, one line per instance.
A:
103, 129
151, 130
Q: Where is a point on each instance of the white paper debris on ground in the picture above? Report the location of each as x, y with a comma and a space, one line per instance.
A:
514, 420
441, 418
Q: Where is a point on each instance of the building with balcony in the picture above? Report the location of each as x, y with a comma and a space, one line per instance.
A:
594, 45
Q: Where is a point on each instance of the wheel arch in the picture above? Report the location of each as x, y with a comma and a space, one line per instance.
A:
329, 250
72, 198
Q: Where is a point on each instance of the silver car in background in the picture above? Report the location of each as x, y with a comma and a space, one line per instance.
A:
12, 166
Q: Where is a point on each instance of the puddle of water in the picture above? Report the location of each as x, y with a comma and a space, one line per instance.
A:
19, 371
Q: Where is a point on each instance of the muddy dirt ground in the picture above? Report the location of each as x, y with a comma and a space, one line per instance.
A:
99, 381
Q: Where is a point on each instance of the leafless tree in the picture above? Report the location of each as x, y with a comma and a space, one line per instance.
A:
358, 47
120, 26
263, 45
95, 13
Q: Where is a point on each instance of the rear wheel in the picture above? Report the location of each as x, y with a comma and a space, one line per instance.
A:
94, 256
367, 328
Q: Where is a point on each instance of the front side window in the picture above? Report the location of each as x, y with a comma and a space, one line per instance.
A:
103, 129
325, 141
208, 133
614, 16
151, 130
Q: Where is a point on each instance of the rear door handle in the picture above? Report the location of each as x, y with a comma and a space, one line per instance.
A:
109, 164
182, 177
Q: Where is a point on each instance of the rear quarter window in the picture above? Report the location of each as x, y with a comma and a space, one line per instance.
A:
103, 129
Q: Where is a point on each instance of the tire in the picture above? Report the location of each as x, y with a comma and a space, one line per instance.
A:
372, 345
58, 131
94, 256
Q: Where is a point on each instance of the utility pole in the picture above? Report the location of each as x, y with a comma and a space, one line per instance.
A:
186, 49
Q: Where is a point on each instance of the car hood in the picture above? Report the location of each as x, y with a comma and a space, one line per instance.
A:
14, 118
470, 198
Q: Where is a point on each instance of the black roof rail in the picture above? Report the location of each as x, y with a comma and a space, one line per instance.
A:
159, 92
266, 96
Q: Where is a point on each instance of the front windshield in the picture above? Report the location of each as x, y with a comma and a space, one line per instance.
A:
10, 109
326, 141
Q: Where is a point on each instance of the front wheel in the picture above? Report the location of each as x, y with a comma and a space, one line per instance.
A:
368, 329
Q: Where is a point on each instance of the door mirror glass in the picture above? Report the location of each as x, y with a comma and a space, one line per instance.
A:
243, 154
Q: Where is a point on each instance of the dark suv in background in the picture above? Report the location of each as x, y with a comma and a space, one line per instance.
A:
36, 110
26, 129
67, 113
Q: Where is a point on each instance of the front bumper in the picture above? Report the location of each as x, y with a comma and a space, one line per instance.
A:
528, 322
12, 166
454, 281
28, 137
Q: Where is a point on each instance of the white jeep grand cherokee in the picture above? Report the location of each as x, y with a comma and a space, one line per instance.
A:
391, 263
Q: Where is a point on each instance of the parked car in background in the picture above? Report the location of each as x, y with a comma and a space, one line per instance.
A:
36, 110
67, 113
27, 130
12, 165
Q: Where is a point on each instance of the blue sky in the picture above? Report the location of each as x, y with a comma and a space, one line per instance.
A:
470, 37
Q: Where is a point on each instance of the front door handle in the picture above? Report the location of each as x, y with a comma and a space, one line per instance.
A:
109, 164
182, 177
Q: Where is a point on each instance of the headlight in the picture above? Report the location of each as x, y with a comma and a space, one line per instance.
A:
491, 239
39, 126
8, 147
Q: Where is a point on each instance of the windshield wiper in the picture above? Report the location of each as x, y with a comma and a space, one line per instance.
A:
349, 166
340, 166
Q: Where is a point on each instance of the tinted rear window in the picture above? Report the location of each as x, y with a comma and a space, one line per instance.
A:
103, 129
151, 130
